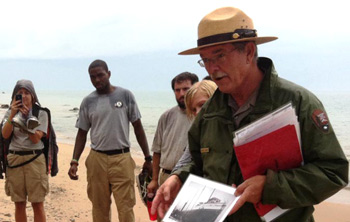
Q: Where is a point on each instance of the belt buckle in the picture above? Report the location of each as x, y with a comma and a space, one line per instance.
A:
122, 150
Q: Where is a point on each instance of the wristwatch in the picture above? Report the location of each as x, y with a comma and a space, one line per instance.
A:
148, 158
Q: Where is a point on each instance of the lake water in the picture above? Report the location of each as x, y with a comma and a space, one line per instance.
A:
62, 103
153, 103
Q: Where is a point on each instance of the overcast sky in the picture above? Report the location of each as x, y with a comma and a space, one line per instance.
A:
53, 42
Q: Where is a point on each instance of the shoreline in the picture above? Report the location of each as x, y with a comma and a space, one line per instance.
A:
67, 199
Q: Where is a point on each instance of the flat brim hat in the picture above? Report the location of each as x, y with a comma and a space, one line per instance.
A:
225, 25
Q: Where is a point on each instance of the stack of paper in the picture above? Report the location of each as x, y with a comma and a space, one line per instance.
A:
271, 142
283, 116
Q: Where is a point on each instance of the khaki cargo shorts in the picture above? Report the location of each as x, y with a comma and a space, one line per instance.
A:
30, 180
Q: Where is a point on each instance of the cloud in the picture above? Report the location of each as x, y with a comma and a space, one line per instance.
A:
142, 38
74, 29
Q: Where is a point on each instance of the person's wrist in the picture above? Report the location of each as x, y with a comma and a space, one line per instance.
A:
74, 162
148, 158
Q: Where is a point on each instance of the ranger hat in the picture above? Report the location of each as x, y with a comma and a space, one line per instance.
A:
225, 25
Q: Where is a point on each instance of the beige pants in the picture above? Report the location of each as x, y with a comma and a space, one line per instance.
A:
29, 180
107, 174
162, 178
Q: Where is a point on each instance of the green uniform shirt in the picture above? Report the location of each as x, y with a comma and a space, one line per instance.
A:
325, 169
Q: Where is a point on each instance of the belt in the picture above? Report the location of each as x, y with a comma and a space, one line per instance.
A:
114, 152
166, 171
23, 153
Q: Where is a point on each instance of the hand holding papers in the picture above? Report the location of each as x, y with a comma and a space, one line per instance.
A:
201, 200
272, 142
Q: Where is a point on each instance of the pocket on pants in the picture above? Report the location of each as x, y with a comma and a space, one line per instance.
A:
88, 188
7, 188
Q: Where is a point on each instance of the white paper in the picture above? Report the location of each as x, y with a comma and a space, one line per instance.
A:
274, 213
279, 118
201, 197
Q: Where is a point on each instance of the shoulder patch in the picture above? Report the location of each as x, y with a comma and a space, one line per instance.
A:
321, 120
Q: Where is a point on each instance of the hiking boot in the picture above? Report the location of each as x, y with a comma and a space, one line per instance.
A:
19, 121
32, 122
142, 181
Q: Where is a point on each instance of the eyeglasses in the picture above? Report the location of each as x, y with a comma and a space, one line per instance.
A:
219, 59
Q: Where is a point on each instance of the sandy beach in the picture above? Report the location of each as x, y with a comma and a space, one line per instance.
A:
67, 200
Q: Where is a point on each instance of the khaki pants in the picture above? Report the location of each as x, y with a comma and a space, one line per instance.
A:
107, 174
30, 180
162, 178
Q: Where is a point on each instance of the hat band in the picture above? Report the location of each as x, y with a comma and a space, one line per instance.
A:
237, 34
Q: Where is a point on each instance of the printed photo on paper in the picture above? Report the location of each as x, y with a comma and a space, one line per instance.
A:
201, 200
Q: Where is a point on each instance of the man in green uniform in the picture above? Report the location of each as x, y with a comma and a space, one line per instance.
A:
249, 88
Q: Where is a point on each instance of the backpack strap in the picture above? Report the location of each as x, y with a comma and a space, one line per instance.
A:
25, 162
35, 110
50, 146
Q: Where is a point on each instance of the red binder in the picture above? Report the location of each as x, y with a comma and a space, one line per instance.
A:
278, 150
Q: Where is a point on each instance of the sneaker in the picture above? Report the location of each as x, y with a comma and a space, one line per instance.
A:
32, 122
142, 181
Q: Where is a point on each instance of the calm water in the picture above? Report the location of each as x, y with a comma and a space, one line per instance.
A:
61, 104
153, 104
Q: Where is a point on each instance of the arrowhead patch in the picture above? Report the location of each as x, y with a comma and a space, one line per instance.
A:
320, 119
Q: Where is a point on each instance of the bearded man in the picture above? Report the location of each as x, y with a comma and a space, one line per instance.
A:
170, 139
